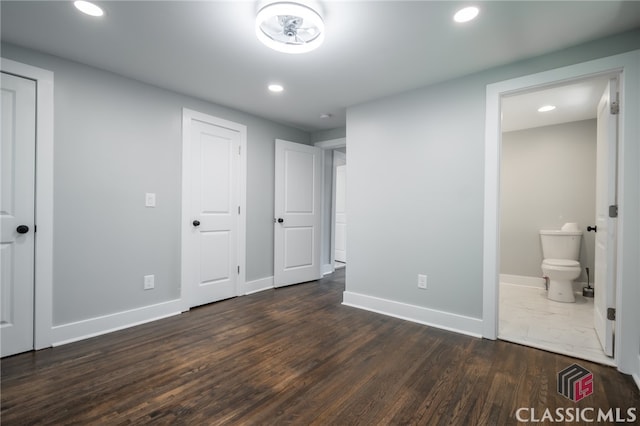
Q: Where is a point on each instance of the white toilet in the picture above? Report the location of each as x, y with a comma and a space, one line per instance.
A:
560, 252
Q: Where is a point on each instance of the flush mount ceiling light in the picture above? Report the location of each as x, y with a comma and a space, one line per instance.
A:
546, 108
88, 8
276, 88
290, 27
467, 14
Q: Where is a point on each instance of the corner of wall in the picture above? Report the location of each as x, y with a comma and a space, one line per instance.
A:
418, 314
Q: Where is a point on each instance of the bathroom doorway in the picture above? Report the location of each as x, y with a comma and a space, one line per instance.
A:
548, 178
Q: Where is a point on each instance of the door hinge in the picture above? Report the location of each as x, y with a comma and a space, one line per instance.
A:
615, 108
611, 314
613, 211
238, 269
238, 209
239, 150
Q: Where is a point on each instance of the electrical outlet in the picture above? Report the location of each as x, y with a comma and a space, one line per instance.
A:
422, 281
149, 282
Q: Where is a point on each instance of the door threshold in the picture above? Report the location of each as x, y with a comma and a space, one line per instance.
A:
591, 355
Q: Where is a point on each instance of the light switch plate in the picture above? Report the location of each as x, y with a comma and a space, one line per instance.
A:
150, 199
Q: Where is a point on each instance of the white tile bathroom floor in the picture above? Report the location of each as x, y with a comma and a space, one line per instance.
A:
527, 317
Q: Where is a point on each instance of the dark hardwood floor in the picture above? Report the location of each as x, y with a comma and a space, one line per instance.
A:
293, 356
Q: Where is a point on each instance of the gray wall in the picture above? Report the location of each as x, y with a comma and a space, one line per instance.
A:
327, 135
116, 139
547, 179
416, 184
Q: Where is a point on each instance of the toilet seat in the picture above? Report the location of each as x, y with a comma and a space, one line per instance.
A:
561, 262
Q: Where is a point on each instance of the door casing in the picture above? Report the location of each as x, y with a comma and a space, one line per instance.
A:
628, 244
43, 282
187, 117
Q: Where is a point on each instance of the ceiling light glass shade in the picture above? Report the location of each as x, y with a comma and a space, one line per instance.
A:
290, 27
88, 8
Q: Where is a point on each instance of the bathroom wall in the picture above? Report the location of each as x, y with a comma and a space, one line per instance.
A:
548, 178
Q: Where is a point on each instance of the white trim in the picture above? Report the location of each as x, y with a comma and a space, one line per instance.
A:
325, 146
187, 116
418, 314
636, 375
43, 283
536, 282
628, 246
337, 156
522, 280
328, 268
80, 330
332, 143
256, 286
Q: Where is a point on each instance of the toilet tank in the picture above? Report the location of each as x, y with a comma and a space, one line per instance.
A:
560, 244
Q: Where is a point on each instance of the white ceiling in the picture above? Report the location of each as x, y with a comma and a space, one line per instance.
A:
574, 101
372, 49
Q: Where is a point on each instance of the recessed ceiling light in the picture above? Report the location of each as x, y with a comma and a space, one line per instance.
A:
275, 88
467, 14
546, 108
289, 27
88, 8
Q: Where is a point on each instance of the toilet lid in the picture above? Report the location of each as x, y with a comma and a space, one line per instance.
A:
561, 262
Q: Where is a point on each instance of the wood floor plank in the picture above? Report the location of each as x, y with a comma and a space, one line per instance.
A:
296, 356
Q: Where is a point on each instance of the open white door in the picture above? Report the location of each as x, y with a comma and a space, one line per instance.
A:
17, 213
341, 214
605, 250
297, 213
212, 198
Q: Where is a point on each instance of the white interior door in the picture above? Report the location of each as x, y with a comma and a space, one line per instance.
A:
297, 222
211, 209
341, 214
605, 250
17, 213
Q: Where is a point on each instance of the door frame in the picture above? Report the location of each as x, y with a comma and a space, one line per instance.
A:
187, 116
327, 205
43, 240
334, 212
628, 241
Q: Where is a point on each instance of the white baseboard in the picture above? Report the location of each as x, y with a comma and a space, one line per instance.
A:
85, 329
635, 376
421, 315
327, 269
537, 282
258, 285
522, 280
